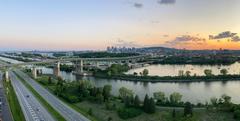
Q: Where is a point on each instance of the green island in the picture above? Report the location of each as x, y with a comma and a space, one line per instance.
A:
118, 72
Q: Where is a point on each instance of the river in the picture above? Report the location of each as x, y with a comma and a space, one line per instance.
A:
192, 91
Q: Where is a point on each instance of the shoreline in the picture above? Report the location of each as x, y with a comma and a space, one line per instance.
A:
176, 79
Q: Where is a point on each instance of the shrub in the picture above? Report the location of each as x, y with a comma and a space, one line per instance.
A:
70, 98
126, 113
90, 111
237, 114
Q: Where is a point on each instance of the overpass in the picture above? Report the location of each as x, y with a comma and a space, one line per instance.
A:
78, 62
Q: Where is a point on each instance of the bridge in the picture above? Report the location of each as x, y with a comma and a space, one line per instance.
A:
79, 63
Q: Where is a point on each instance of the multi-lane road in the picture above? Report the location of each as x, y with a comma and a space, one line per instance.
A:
5, 113
68, 113
31, 107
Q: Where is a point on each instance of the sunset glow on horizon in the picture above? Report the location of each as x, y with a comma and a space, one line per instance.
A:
95, 24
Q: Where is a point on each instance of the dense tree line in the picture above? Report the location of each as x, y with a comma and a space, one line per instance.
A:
210, 60
103, 55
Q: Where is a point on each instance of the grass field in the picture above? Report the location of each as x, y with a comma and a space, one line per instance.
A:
100, 112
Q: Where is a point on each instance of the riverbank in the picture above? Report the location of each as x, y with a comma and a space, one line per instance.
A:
173, 79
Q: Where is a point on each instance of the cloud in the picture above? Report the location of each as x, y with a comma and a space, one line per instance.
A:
138, 5
186, 39
225, 35
235, 39
166, 1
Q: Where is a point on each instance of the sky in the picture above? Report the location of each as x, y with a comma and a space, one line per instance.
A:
96, 24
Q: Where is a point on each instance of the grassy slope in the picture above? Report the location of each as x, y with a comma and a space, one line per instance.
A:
50, 109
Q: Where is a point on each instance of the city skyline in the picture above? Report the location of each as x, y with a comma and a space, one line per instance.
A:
94, 24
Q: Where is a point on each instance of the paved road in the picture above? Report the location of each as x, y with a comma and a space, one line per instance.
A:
32, 109
5, 112
67, 112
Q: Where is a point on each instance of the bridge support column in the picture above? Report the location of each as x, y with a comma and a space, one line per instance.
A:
79, 67
97, 64
34, 72
6, 76
133, 61
109, 64
56, 70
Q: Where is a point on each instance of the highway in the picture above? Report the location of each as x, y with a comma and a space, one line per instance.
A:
31, 107
68, 113
5, 112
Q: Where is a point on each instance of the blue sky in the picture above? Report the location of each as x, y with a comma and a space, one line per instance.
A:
95, 24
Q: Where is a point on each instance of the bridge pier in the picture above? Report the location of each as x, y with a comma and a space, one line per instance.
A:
109, 63
79, 67
133, 61
6, 76
97, 64
56, 70
34, 72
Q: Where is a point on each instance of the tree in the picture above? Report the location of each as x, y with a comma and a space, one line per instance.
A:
117, 69
226, 99
151, 106
124, 92
208, 72
60, 87
174, 113
99, 98
159, 96
93, 92
224, 72
90, 111
136, 101
49, 80
109, 118
145, 72
84, 87
175, 98
135, 73
127, 102
180, 73
146, 104
188, 109
188, 73
214, 101
237, 114
107, 92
